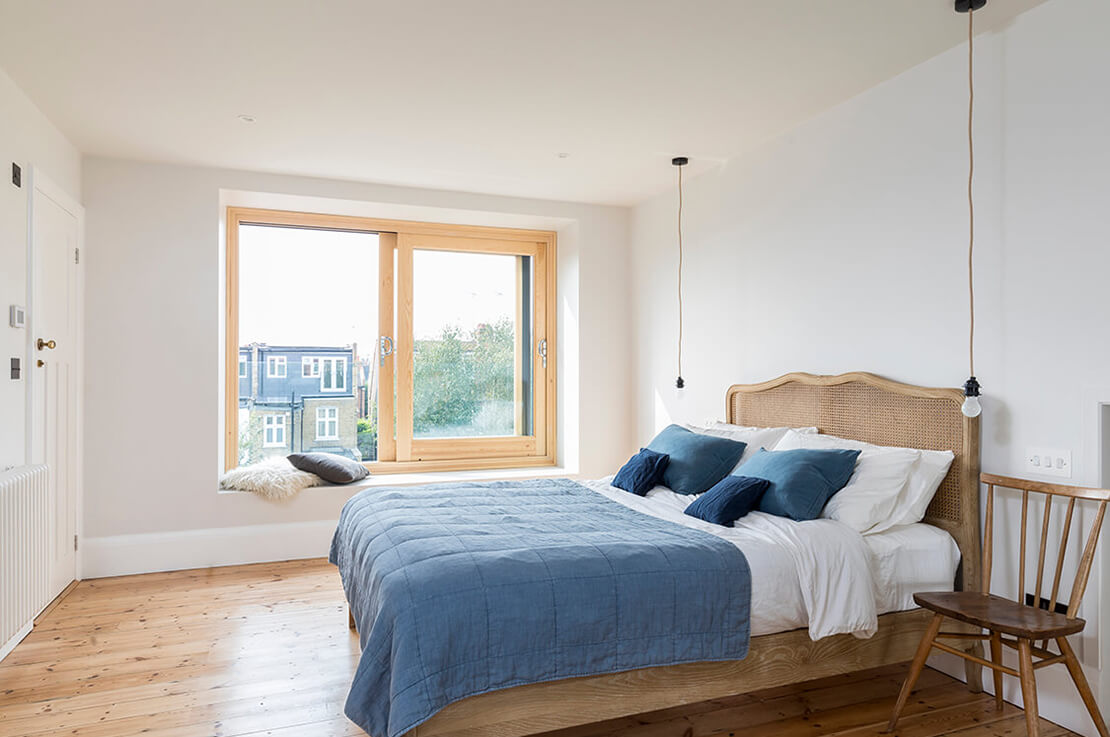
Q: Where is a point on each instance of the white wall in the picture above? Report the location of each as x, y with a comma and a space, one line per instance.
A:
842, 245
153, 355
30, 140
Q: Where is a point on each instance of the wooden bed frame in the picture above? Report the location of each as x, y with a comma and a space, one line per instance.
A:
860, 406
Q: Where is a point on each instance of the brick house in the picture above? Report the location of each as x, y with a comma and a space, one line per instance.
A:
297, 399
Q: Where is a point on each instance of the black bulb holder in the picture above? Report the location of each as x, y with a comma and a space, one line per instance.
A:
971, 387
962, 6
680, 161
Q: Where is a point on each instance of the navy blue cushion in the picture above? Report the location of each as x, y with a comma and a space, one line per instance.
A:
802, 480
729, 500
642, 473
697, 461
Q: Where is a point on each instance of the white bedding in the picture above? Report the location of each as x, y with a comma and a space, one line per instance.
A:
819, 574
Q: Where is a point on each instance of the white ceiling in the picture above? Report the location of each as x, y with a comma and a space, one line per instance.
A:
473, 95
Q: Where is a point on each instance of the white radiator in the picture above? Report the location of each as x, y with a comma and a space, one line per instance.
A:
25, 528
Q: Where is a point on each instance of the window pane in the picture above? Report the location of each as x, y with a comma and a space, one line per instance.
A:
308, 336
472, 344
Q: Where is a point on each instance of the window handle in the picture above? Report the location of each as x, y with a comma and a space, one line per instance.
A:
385, 348
541, 348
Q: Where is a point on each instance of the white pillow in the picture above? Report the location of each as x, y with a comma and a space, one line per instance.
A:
869, 500
273, 478
922, 486
755, 437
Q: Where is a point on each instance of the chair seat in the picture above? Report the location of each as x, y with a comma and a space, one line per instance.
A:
998, 614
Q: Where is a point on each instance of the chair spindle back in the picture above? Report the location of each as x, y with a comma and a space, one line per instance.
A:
1050, 492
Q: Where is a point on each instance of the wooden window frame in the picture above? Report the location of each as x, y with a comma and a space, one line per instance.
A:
399, 452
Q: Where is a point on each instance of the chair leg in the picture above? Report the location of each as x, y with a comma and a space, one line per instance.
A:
1029, 688
916, 667
996, 658
1081, 684
973, 672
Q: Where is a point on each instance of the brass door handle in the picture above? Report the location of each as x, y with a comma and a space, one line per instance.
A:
42, 344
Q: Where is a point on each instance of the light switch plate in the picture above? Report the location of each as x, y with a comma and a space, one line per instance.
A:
1048, 462
17, 316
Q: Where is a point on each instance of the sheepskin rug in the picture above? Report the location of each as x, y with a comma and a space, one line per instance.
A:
272, 478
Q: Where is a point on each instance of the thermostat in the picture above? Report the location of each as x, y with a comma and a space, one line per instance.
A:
17, 316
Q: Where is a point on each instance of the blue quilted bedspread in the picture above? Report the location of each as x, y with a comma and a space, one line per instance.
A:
459, 589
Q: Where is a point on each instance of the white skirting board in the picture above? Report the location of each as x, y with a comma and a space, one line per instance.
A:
218, 546
8, 646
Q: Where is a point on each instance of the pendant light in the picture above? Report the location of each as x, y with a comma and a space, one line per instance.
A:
971, 406
678, 162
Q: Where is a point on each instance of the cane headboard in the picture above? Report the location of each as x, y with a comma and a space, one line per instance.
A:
867, 407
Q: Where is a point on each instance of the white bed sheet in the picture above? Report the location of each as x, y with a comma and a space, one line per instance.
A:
821, 574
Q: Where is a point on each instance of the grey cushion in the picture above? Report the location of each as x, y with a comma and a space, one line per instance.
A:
330, 467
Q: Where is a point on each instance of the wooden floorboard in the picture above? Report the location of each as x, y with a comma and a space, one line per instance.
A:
264, 650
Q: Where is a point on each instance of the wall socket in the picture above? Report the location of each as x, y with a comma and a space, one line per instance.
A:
1048, 462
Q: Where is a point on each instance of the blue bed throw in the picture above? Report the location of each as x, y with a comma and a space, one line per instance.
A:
460, 589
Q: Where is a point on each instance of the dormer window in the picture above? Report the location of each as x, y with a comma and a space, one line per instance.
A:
333, 374
275, 367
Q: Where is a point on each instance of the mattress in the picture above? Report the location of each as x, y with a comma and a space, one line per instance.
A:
889, 567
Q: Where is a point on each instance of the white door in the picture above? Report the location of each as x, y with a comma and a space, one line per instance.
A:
54, 321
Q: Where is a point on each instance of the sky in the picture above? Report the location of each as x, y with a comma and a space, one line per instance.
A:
320, 287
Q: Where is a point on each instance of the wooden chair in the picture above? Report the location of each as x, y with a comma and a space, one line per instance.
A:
1016, 624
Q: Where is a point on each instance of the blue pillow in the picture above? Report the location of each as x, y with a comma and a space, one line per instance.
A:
697, 461
802, 480
732, 498
642, 473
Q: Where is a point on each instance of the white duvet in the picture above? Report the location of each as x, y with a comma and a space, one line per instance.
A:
820, 574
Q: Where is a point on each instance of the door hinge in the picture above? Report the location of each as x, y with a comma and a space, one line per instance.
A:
76, 255
75, 542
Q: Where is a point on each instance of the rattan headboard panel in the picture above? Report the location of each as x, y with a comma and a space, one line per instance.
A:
870, 408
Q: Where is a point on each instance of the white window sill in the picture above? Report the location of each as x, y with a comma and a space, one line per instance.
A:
435, 477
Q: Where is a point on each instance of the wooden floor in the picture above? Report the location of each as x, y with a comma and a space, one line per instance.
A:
265, 650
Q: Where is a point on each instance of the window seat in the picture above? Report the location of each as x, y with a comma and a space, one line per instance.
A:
435, 477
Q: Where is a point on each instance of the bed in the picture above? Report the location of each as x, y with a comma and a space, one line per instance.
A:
857, 406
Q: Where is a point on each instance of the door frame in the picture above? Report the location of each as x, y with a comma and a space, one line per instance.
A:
41, 185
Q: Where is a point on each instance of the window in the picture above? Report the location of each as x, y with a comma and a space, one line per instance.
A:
333, 374
273, 429
275, 367
242, 366
327, 423
433, 344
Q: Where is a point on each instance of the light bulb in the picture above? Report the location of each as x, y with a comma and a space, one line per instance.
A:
971, 406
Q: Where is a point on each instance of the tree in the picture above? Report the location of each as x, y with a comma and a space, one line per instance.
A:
457, 375
368, 435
